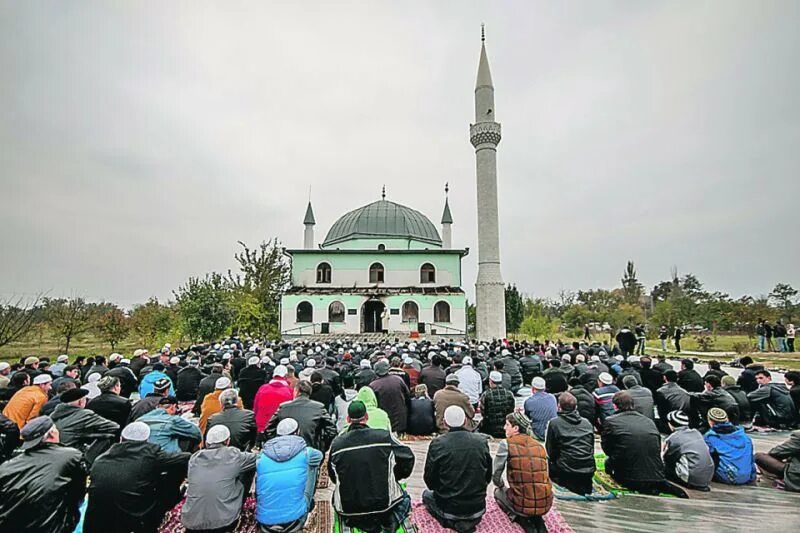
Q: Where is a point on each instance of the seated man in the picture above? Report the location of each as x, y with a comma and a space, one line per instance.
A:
365, 464
529, 495
633, 446
686, 457
570, 447
540, 407
451, 395
287, 477
170, 431
731, 449
496, 402
82, 429
642, 397
218, 475
240, 422
740, 396
772, 402
457, 471
713, 396
316, 426
603, 397
421, 413
211, 404
783, 462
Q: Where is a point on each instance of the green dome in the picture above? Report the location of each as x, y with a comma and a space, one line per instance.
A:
383, 219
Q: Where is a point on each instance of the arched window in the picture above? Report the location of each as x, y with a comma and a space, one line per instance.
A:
427, 273
336, 312
376, 273
410, 312
305, 312
441, 312
381, 247
323, 273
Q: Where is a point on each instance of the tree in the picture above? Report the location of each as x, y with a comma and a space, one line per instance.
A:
661, 291
538, 326
631, 288
783, 295
68, 318
113, 326
515, 309
17, 318
205, 309
472, 319
150, 321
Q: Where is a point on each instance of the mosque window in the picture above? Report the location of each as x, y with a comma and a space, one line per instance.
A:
381, 247
323, 273
410, 312
427, 273
376, 273
305, 312
441, 312
336, 312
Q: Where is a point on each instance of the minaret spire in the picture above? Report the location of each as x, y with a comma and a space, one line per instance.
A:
383, 193
309, 222
447, 221
485, 136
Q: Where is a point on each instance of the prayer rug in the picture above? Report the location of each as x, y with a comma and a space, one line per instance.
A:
416, 438
608, 483
323, 480
599, 493
185, 407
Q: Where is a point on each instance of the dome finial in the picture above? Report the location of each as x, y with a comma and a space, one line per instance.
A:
383, 193
446, 188
483, 33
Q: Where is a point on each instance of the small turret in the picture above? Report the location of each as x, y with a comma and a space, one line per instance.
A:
447, 221
309, 222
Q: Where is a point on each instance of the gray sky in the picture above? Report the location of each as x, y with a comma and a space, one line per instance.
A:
140, 140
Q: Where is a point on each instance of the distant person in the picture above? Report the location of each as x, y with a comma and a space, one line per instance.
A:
687, 460
677, 336
761, 333
570, 447
731, 449
769, 331
663, 335
790, 333
780, 336
626, 340
641, 338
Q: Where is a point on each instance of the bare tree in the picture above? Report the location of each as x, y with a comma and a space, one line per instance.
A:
17, 318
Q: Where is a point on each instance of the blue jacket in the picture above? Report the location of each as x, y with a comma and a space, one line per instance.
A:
732, 451
541, 408
166, 430
282, 474
148, 382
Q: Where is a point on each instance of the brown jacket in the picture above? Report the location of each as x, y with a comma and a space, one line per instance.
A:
450, 395
211, 406
530, 490
25, 405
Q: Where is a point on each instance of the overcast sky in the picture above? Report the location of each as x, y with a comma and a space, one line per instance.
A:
139, 141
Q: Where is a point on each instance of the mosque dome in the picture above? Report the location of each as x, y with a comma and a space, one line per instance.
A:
383, 219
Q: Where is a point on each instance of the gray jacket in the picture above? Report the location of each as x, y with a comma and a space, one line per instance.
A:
686, 454
642, 401
215, 487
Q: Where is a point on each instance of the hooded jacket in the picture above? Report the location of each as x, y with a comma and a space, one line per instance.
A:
376, 417
268, 398
284, 465
778, 400
215, 487
341, 403
42, 490
569, 442
633, 446
147, 384
732, 451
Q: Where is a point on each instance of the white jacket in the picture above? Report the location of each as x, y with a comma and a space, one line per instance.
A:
470, 383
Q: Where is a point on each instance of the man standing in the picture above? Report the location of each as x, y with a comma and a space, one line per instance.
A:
540, 407
458, 469
81, 428
626, 340
218, 475
366, 464
133, 484
570, 447
43, 487
496, 404
251, 378
772, 402
677, 338
171, 432
241, 423
26, 403
530, 493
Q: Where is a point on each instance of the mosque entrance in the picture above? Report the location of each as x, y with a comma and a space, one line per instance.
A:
372, 316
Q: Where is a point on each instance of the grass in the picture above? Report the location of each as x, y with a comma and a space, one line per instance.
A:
84, 345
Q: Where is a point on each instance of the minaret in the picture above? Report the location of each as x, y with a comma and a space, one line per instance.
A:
485, 136
447, 222
308, 222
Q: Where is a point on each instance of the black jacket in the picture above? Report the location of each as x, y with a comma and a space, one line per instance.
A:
433, 378
633, 446
555, 380
124, 485
42, 490
127, 380
315, 426
332, 378
747, 379
207, 386
188, 382
78, 427
240, 422
322, 393
496, 404
774, 399
642, 401
719, 397
366, 465
364, 377
145, 405
421, 417
671, 397
9, 437
457, 469
690, 380
513, 367
570, 444
651, 379
745, 412
586, 403
531, 366
111, 407
251, 378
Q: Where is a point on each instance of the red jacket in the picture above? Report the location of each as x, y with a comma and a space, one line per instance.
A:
268, 398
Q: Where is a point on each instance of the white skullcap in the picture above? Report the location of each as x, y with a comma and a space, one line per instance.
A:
311, 363
454, 416
93, 377
619, 358
318, 349
467, 360
267, 361
137, 353
407, 360
4, 366
505, 352
443, 352
226, 356
633, 358
287, 426
280, 371
605, 378
175, 360
285, 361
364, 363
113, 357
218, 434
136, 431
41, 379
62, 358
595, 358
495, 376
217, 346
222, 383
538, 383
253, 360
566, 357
580, 358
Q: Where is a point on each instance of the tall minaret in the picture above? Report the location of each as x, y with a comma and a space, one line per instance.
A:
308, 222
447, 221
485, 136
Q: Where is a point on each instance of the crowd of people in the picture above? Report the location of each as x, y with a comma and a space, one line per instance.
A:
212, 423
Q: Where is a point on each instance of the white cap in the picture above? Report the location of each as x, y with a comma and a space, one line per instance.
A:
280, 371
217, 346
41, 379
113, 357
454, 416
253, 360
619, 358
580, 358
222, 383
633, 358
285, 361
467, 360
566, 357
4, 366
218, 434
495, 376
267, 361
124, 361
505, 352
605, 378
287, 426
595, 358
311, 363
93, 377
63, 358
140, 351
136, 431
175, 360
226, 356
364, 363
538, 383
407, 360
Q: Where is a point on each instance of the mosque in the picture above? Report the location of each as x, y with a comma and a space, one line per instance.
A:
385, 268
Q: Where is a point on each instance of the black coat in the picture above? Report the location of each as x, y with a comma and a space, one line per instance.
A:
240, 422
690, 380
251, 378
79, 427
145, 405
651, 379
315, 425
364, 377
421, 417
633, 446
127, 380
671, 397
42, 490
322, 393
9, 437
555, 380
207, 386
745, 411
433, 378
570, 444
393, 397
111, 407
457, 469
187, 383
496, 404
586, 404
531, 366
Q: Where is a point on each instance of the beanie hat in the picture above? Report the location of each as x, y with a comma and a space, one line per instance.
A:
715, 414
678, 418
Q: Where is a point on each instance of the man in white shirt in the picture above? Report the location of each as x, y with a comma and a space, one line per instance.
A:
470, 382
